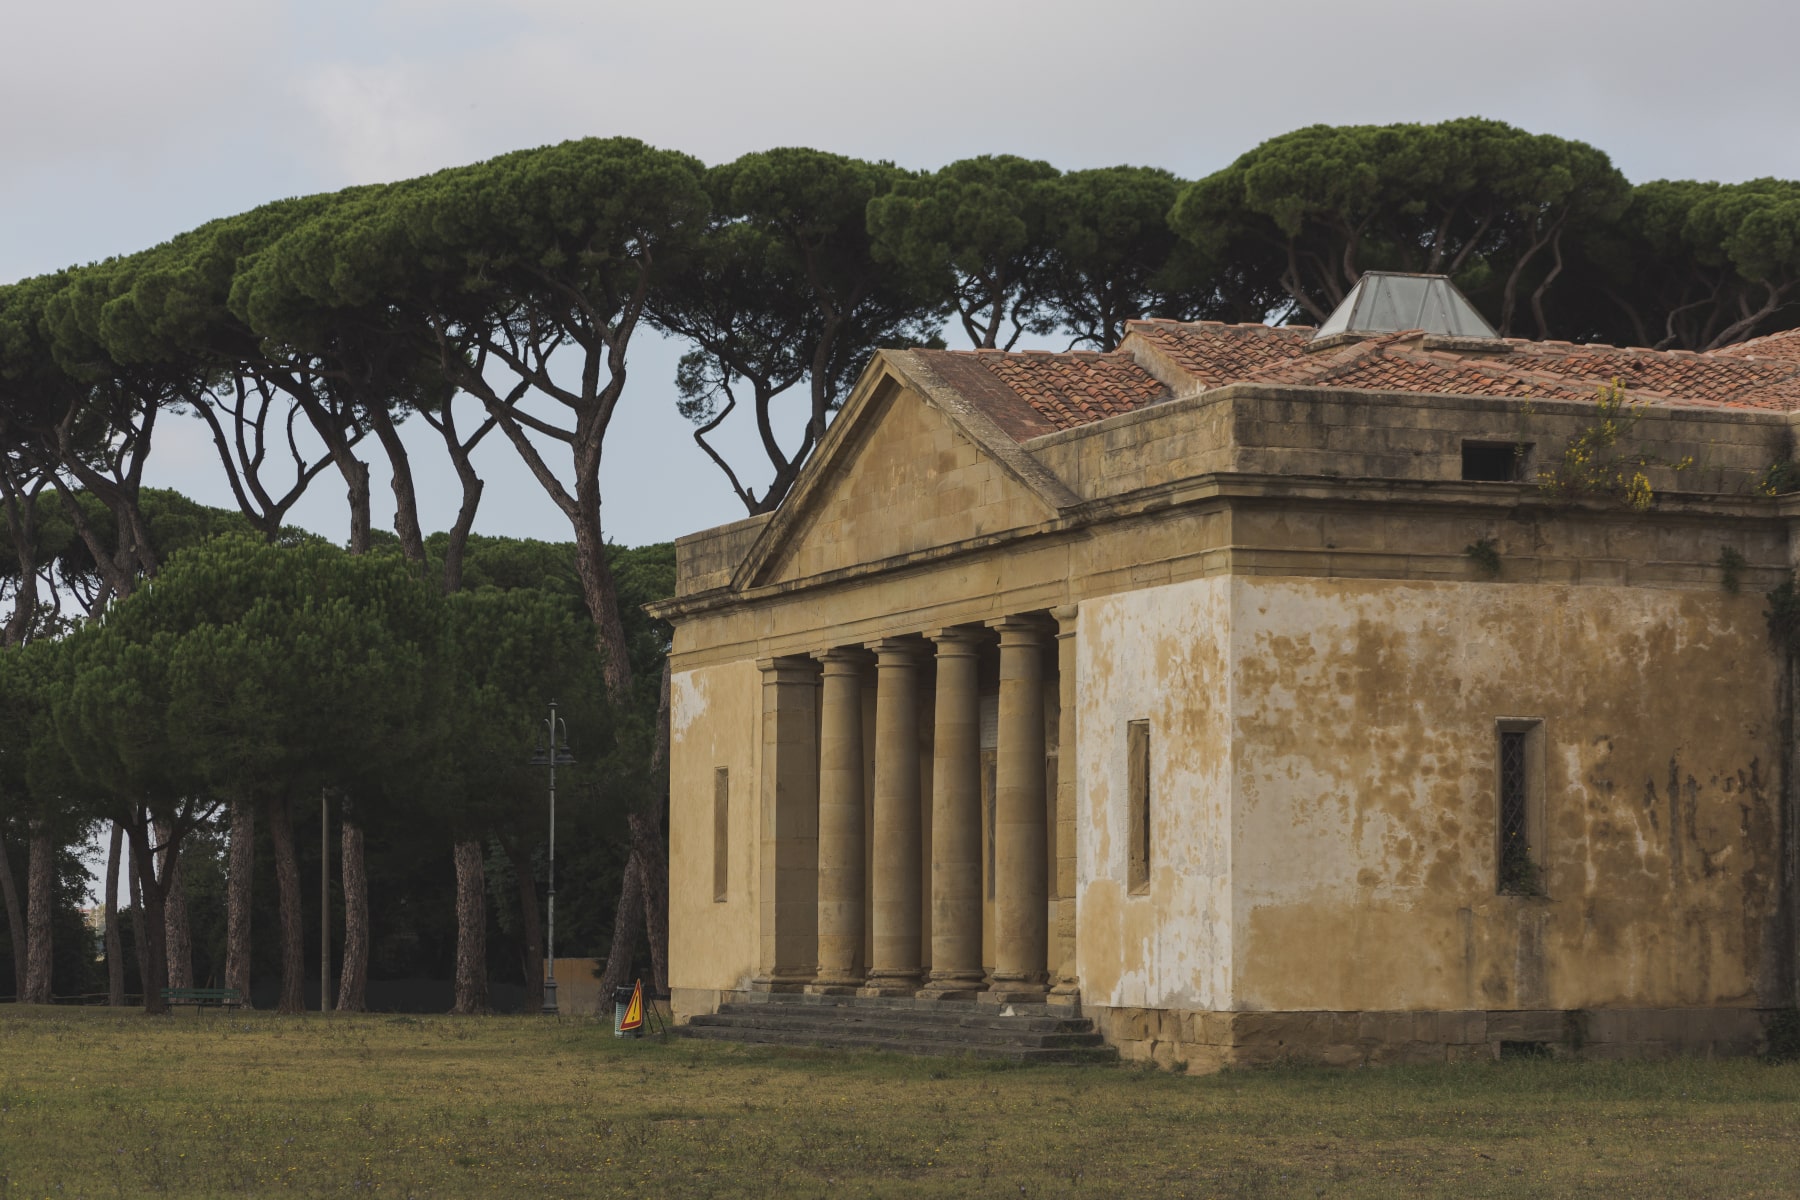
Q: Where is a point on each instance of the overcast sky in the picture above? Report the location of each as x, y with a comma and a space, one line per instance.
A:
122, 124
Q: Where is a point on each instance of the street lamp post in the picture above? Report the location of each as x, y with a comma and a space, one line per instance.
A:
552, 752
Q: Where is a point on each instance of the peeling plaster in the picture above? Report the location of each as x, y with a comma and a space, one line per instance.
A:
1364, 828
1158, 654
715, 715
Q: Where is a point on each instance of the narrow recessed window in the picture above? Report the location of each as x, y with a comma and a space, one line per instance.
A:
1494, 462
721, 833
1137, 758
1521, 863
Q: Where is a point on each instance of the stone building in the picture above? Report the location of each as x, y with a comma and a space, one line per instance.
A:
1246, 688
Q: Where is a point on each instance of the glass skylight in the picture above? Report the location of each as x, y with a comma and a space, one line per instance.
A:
1389, 302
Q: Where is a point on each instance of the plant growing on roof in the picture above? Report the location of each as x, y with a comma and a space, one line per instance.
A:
1593, 465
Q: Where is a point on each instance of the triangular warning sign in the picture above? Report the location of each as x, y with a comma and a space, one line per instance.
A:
634, 1012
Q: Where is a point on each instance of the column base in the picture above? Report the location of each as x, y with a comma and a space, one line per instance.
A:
1065, 993
890, 985
952, 987
833, 987
1015, 991
780, 985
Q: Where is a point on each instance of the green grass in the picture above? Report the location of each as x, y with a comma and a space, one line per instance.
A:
99, 1104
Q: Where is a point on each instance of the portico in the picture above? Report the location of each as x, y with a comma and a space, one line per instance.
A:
929, 862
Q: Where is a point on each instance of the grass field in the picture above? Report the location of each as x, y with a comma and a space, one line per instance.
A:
99, 1104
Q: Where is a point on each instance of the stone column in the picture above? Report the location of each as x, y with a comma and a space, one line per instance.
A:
1067, 986
788, 853
841, 831
894, 970
956, 971
1021, 896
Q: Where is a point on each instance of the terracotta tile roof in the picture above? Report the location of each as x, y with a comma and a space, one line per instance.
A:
1035, 392
1785, 344
1382, 367
1760, 374
1212, 353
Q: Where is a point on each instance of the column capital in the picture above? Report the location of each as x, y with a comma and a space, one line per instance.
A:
1020, 628
1066, 616
791, 668
955, 639
842, 660
896, 650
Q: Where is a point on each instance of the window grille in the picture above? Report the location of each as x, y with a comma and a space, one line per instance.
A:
1518, 871
1137, 754
721, 834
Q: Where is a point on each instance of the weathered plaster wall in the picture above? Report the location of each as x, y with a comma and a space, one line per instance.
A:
1161, 655
1364, 817
715, 719
913, 482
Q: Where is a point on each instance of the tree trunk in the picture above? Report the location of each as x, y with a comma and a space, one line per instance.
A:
355, 471
659, 754
532, 951
239, 872
115, 945
626, 923
140, 944
457, 543
647, 843
406, 500
456, 546
119, 580
356, 478
15, 920
153, 961
652, 863
471, 931
280, 818
354, 972
598, 589
40, 896
176, 931
593, 412
21, 522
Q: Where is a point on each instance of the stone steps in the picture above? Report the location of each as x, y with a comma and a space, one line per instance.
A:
912, 1018
890, 1028
1034, 1033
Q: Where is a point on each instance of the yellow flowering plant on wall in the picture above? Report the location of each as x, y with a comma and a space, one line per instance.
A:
1594, 466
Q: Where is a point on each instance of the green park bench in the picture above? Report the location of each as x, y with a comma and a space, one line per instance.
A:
204, 997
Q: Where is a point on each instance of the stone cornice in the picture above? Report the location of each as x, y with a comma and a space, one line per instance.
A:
1516, 501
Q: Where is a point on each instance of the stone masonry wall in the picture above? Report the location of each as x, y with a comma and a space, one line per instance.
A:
1386, 435
1202, 1041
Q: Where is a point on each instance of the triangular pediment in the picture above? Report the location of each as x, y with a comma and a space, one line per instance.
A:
905, 469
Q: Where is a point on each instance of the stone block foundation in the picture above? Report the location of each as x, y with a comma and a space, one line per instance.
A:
1210, 1041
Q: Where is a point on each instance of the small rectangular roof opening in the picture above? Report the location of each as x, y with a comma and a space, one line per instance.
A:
1493, 462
